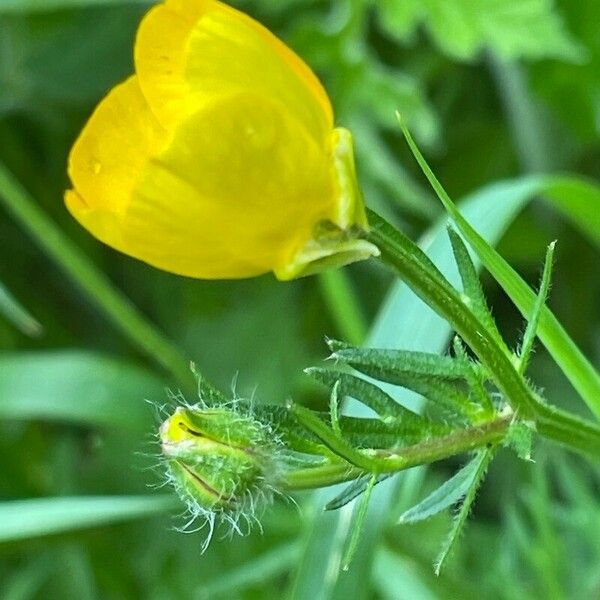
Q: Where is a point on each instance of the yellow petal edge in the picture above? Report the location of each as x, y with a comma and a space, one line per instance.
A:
218, 159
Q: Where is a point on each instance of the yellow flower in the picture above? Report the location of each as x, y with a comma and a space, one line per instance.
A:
218, 158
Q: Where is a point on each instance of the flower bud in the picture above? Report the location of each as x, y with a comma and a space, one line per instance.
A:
219, 461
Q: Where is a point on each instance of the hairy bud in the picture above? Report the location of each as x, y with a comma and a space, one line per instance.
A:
221, 462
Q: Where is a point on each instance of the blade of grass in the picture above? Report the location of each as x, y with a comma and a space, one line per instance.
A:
19, 316
77, 387
115, 305
344, 305
25, 519
255, 571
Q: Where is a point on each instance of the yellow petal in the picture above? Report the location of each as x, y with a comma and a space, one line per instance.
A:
219, 158
106, 161
236, 193
190, 51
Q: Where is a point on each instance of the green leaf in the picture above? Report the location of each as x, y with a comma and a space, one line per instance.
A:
472, 289
257, 570
448, 494
17, 314
580, 372
24, 519
483, 460
77, 387
403, 321
429, 375
416, 363
367, 393
352, 491
358, 523
526, 29
533, 321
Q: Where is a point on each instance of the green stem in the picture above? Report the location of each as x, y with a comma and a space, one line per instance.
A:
464, 440
93, 283
555, 425
344, 305
418, 272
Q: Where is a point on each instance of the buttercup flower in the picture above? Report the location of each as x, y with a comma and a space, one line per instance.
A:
219, 157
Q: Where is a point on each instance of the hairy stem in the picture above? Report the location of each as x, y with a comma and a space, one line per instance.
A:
413, 266
389, 461
418, 272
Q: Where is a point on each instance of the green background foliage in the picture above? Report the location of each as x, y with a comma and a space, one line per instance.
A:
495, 92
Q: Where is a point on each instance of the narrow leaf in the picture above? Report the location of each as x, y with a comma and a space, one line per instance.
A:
472, 286
484, 458
367, 393
363, 432
19, 316
448, 494
23, 519
534, 319
416, 363
441, 392
352, 491
358, 524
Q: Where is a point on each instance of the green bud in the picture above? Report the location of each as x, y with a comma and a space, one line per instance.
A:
221, 462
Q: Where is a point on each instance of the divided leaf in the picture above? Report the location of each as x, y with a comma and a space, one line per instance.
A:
472, 287
445, 496
526, 29
430, 375
367, 393
353, 490
482, 460
534, 319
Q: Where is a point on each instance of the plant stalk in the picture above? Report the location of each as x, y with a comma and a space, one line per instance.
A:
413, 266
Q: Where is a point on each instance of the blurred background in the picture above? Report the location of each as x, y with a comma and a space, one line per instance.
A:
493, 90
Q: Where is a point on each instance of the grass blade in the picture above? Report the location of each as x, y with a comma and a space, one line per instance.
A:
17, 314
52, 385
90, 280
24, 519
